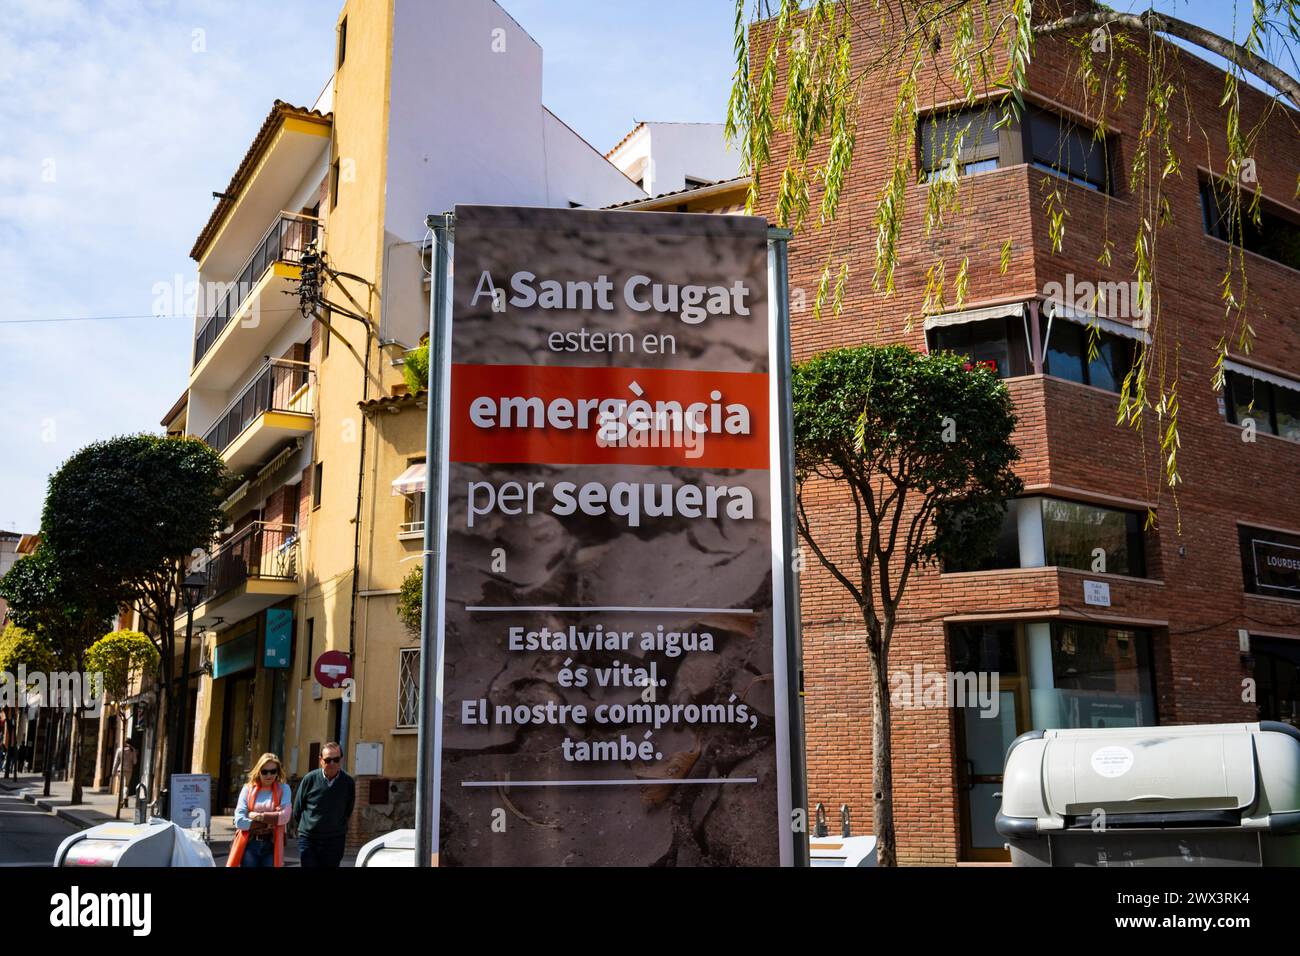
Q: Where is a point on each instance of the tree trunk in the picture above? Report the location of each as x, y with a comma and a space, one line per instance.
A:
119, 757
882, 763
47, 759
74, 759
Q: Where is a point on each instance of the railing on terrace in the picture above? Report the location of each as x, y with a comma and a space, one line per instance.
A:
286, 240
261, 551
280, 386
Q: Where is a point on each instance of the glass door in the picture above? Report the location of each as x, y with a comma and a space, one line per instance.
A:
984, 732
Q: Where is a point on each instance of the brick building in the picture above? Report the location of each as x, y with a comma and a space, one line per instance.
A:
1195, 620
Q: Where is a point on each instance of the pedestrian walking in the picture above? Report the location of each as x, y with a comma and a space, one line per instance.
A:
322, 810
265, 803
123, 766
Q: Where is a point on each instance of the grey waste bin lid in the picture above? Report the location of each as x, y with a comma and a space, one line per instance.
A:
1245, 775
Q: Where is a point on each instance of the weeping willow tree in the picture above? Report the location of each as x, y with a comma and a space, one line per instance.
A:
805, 69
815, 77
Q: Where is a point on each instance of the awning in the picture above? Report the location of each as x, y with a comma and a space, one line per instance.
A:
1113, 326
1239, 369
1016, 309
411, 481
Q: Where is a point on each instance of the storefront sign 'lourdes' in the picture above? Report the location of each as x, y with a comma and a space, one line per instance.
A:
614, 679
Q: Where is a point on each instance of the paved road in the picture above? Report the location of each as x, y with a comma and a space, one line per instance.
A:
28, 835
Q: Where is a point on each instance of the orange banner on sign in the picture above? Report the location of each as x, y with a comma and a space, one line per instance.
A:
549, 414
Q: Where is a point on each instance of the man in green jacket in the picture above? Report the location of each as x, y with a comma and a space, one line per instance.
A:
321, 809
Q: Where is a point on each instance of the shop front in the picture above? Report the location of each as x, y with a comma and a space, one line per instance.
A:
1050, 675
249, 693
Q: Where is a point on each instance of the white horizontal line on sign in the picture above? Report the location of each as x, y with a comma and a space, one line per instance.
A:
611, 607
604, 783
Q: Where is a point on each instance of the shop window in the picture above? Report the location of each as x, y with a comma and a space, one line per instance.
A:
1270, 562
1277, 678
1275, 409
408, 687
1276, 236
1085, 536
998, 342
1101, 677
984, 648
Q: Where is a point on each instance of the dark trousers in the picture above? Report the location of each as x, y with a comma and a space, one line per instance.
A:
315, 851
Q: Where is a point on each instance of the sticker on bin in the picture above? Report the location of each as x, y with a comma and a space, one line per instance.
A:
1112, 761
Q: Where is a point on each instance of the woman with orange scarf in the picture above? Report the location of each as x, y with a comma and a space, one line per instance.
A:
265, 805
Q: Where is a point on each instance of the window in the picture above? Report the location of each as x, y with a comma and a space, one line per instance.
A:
411, 484
316, 480
1270, 562
1276, 236
695, 182
972, 139
414, 521
1275, 409
969, 135
999, 341
343, 41
408, 687
1066, 355
1068, 535
334, 184
1006, 549
1063, 147
308, 639
1074, 533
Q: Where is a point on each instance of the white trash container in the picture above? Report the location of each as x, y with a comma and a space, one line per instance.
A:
1200, 795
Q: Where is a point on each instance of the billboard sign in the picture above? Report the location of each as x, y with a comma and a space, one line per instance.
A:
614, 687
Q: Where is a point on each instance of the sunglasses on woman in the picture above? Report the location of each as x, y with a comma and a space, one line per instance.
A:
270, 771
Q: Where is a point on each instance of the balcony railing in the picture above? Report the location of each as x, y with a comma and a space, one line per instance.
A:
281, 386
285, 241
261, 551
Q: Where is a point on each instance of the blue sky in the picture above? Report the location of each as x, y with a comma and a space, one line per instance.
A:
118, 119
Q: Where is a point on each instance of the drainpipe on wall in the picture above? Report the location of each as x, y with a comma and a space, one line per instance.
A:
346, 713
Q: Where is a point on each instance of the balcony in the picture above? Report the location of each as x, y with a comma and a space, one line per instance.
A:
252, 309
274, 407
255, 569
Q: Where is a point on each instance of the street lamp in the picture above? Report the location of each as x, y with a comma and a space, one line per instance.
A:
192, 587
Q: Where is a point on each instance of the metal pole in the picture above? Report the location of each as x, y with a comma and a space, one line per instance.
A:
178, 761
428, 776
779, 282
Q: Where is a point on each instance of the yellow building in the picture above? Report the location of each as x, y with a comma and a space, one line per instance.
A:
429, 105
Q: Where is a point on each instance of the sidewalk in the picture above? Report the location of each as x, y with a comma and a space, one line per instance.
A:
97, 808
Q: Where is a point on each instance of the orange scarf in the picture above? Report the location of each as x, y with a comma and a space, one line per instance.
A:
241, 836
